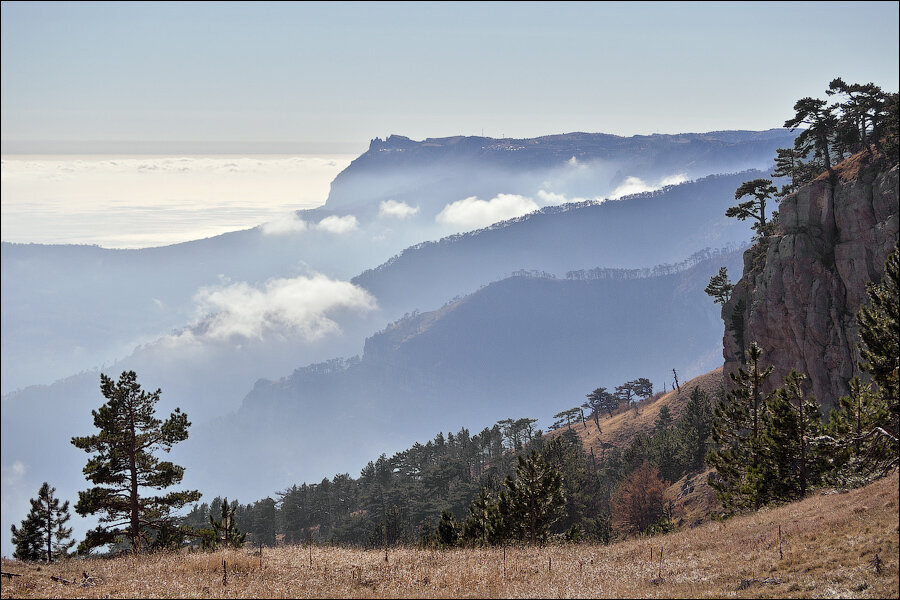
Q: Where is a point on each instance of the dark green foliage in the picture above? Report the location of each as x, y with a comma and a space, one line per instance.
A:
448, 530
601, 400
789, 462
171, 536
863, 434
719, 287
263, 519
586, 497
224, 530
43, 533
863, 116
549, 489
849, 441
821, 122
569, 416
123, 463
736, 431
695, 428
891, 144
788, 163
642, 387
532, 500
27, 540
879, 332
478, 529
760, 190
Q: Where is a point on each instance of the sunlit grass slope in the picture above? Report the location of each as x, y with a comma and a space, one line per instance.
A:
827, 548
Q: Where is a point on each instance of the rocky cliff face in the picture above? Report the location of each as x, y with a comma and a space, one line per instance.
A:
801, 288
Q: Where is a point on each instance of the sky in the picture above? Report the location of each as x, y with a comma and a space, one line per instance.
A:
325, 78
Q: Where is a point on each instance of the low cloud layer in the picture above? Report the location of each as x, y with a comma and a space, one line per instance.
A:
473, 212
300, 306
553, 199
152, 201
635, 185
338, 225
290, 223
398, 210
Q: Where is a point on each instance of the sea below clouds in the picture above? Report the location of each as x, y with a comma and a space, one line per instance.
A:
129, 201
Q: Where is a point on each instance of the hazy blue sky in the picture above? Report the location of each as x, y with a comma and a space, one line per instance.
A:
329, 77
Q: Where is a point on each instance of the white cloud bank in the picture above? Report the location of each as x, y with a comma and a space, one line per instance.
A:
474, 212
399, 210
636, 185
300, 306
338, 225
137, 202
290, 223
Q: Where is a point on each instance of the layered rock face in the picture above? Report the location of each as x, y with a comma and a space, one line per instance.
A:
801, 288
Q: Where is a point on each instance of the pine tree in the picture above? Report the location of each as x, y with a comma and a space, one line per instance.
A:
601, 400
478, 527
124, 463
864, 435
847, 439
695, 425
755, 208
27, 539
448, 530
879, 332
225, 531
532, 500
720, 287
821, 123
570, 415
736, 432
790, 461
43, 532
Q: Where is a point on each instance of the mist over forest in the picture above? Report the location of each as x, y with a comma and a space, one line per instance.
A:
524, 272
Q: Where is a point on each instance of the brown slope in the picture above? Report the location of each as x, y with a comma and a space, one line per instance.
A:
620, 429
822, 547
693, 501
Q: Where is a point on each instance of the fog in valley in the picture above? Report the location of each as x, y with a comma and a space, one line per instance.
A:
444, 283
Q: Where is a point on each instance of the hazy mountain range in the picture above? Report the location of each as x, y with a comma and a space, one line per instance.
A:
261, 338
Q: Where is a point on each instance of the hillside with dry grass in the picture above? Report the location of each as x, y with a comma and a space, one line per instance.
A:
824, 546
693, 501
620, 429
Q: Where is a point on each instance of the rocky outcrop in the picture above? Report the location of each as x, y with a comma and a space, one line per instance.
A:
802, 287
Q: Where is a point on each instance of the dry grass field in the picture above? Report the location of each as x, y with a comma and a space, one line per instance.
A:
827, 549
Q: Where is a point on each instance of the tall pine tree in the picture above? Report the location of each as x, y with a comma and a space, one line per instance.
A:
790, 462
533, 500
123, 464
736, 432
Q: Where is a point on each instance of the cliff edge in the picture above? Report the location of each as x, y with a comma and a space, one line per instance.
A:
802, 287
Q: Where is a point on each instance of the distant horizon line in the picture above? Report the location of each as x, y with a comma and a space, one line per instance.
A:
149, 147
157, 147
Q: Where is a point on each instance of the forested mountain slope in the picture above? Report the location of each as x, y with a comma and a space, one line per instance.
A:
647, 229
520, 346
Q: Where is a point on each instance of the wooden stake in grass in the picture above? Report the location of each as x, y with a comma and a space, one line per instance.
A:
224, 573
780, 553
